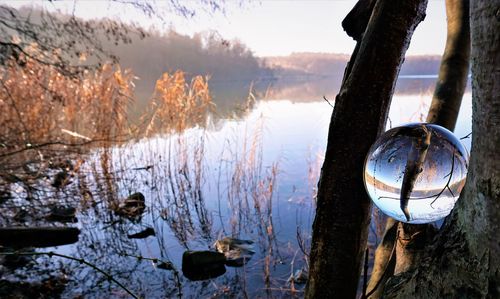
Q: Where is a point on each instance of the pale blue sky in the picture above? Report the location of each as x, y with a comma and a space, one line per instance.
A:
268, 27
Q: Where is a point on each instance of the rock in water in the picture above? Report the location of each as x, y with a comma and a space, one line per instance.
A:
62, 214
19, 237
237, 252
202, 265
61, 179
133, 206
149, 231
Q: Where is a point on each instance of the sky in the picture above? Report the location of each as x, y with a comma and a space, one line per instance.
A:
267, 27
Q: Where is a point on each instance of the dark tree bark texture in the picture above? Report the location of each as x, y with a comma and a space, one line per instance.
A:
357, 19
464, 262
342, 218
385, 261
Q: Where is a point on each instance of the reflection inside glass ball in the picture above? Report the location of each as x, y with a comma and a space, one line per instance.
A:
414, 173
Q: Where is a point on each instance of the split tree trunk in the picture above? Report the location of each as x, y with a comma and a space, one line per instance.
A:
454, 68
444, 110
464, 262
342, 218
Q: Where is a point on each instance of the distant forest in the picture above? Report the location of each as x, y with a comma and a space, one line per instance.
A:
230, 65
327, 64
233, 68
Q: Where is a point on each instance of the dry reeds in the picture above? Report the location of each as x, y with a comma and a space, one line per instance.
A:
177, 105
40, 105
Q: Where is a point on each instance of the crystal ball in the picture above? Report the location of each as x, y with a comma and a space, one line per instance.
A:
415, 173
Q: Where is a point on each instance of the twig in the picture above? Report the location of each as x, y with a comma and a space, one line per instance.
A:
447, 186
466, 136
81, 261
158, 261
36, 146
301, 243
327, 101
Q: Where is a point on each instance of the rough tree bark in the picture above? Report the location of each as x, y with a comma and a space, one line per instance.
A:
385, 261
464, 261
444, 110
340, 227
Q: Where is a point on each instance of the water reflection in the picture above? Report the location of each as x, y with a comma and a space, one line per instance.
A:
251, 177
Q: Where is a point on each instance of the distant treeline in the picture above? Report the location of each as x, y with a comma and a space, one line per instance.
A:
230, 65
326, 64
149, 53
202, 54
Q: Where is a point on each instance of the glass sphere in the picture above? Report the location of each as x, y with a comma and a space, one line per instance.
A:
415, 173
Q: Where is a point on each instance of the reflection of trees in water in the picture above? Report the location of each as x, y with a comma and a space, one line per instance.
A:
109, 247
313, 88
177, 179
177, 198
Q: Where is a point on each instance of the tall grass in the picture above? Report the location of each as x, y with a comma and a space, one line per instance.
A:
177, 105
39, 103
50, 117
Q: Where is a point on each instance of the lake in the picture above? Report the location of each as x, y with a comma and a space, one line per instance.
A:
250, 174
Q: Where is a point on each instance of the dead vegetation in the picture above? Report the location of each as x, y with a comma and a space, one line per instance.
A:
68, 141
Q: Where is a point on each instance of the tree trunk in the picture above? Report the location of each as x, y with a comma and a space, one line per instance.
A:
411, 240
340, 227
444, 112
464, 262
385, 261
454, 67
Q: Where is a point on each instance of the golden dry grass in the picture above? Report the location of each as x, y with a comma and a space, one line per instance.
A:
38, 103
177, 105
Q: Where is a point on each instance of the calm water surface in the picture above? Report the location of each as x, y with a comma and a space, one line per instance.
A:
251, 177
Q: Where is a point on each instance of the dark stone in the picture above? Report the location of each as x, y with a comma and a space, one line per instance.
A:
202, 265
133, 206
149, 231
237, 252
61, 179
48, 288
62, 214
165, 266
20, 237
4, 196
21, 215
13, 262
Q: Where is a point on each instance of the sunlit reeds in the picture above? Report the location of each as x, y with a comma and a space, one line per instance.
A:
177, 105
171, 167
39, 103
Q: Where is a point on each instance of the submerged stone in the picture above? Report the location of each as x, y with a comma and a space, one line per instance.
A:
62, 214
149, 231
61, 179
51, 287
202, 265
133, 206
20, 237
237, 252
